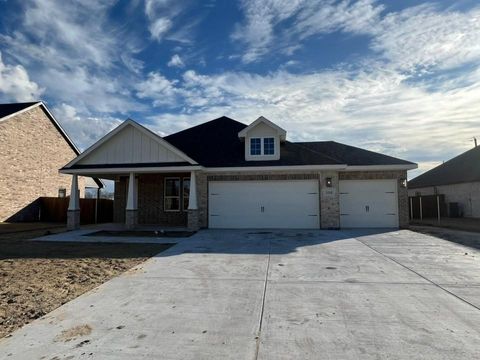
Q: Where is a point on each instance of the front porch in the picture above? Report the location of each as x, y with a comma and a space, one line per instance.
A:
161, 199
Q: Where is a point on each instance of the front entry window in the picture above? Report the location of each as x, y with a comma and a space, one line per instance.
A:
172, 194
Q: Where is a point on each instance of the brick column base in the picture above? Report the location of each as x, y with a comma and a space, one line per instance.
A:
193, 224
73, 219
131, 219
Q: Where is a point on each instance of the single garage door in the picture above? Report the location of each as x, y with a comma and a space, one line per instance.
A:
368, 203
263, 204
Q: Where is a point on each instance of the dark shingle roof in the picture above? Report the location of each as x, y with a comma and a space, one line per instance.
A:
8, 109
461, 169
216, 144
351, 155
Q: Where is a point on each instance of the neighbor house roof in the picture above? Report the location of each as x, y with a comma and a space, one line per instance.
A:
461, 169
216, 144
9, 110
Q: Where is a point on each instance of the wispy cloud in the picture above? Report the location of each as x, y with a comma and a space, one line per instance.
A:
279, 25
15, 83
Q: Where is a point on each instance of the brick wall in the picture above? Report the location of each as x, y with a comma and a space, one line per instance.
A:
31, 153
403, 219
150, 201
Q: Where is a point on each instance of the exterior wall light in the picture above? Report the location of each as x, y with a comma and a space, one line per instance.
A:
403, 182
328, 182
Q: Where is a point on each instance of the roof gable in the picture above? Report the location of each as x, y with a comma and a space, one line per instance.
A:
130, 143
461, 169
262, 120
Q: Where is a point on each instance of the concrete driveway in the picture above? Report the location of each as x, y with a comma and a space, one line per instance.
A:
278, 295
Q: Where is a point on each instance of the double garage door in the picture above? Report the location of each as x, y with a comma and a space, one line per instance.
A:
263, 204
295, 204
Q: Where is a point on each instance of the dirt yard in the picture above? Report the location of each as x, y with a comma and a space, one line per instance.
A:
37, 277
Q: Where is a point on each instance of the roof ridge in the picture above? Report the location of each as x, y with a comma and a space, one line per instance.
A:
203, 124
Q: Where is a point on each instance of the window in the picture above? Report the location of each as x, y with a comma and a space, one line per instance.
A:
255, 146
268, 146
186, 193
62, 192
172, 194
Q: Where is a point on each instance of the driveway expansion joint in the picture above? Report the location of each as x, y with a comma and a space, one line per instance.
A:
420, 275
259, 332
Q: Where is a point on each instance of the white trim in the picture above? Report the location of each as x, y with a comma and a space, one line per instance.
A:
277, 168
381, 167
261, 119
139, 127
144, 170
164, 169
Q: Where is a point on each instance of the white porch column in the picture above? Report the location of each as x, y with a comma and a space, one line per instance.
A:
192, 198
73, 212
131, 208
192, 204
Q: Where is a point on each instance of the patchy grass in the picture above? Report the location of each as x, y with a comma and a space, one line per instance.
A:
37, 277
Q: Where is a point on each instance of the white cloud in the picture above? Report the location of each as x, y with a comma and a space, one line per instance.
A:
86, 129
158, 88
76, 56
15, 84
176, 61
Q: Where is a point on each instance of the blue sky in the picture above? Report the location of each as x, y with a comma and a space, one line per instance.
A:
400, 77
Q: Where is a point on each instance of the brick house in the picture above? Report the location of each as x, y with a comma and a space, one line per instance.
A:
225, 174
33, 146
458, 180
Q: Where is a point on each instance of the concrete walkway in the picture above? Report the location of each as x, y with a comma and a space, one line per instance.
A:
279, 295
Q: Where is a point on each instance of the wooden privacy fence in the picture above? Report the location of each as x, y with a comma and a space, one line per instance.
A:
53, 209
427, 207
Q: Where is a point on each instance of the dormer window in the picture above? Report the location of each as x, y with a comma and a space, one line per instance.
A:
268, 146
262, 140
255, 146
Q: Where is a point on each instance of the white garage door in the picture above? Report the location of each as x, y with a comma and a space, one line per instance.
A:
263, 204
368, 203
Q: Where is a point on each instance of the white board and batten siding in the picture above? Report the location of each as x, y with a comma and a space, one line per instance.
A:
368, 204
131, 145
264, 204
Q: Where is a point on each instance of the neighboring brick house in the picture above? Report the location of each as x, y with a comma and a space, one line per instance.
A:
225, 174
33, 147
458, 180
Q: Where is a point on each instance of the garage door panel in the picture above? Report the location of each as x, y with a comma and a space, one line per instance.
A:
263, 204
368, 203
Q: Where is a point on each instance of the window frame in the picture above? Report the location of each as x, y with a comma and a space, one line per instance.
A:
273, 145
260, 143
165, 196
262, 146
184, 209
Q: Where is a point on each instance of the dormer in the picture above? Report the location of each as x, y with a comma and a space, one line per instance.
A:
262, 140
